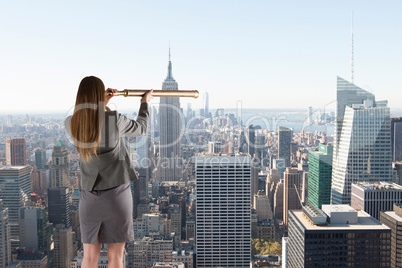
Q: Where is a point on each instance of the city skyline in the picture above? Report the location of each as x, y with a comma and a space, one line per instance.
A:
270, 48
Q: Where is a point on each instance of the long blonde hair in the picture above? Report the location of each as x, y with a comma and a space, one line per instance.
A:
88, 117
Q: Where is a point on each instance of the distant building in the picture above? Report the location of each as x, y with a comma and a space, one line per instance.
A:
35, 231
393, 219
147, 251
63, 246
16, 193
30, 258
40, 159
320, 176
263, 207
285, 139
278, 200
59, 168
251, 140
187, 258
337, 236
375, 197
169, 167
58, 206
16, 152
291, 192
223, 220
5, 249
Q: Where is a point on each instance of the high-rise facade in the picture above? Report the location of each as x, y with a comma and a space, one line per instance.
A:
336, 236
15, 183
251, 140
393, 219
396, 139
223, 220
206, 104
58, 206
375, 197
362, 149
63, 246
40, 159
16, 152
59, 168
292, 191
170, 164
320, 175
285, 139
5, 248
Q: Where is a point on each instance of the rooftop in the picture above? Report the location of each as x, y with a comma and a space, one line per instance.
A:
382, 185
364, 222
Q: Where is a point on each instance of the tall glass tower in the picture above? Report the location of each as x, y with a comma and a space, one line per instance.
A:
362, 149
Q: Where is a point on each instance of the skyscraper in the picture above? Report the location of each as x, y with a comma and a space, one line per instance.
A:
206, 104
15, 191
320, 175
58, 206
291, 191
40, 158
5, 248
223, 227
396, 139
59, 169
169, 166
251, 140
362, 149
16, 152
285, 139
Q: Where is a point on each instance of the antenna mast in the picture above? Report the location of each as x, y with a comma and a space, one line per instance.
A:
352, 56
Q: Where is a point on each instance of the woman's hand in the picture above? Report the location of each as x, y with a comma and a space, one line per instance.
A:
147, 96
108, 97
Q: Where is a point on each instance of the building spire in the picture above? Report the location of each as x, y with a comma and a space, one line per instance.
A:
352, 55
169, 75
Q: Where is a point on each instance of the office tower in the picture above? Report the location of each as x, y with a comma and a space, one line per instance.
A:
16, 193
398, 167
5, 248
278, 200
63, 246
337, 236
187, 258
59, 168
291, 191
16, 152
40, 158
280, 165
242, 143
285, 139
223, 220
32, 226
260, 146
362, 149
393, 219
251, 140
58, 206
175, 218
320, 175
375, 197
262, 207
206, 104
170, 166
396, 139
310, 115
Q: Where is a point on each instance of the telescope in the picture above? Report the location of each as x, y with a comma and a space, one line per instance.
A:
156, 93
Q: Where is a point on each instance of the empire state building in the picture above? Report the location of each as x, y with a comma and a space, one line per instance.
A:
169, 164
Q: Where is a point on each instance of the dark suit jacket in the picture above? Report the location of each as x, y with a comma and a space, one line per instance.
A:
113, 166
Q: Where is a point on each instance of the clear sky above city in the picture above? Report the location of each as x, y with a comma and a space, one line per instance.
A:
267, 54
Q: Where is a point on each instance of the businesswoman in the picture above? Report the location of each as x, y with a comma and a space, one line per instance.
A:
105, 205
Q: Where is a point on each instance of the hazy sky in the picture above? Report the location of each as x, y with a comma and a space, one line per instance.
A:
267, 54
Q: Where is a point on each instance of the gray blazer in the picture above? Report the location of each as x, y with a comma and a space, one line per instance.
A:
113, 166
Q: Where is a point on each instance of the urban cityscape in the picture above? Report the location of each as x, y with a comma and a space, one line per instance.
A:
317, 186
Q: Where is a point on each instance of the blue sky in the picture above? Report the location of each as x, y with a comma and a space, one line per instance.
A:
266, 54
